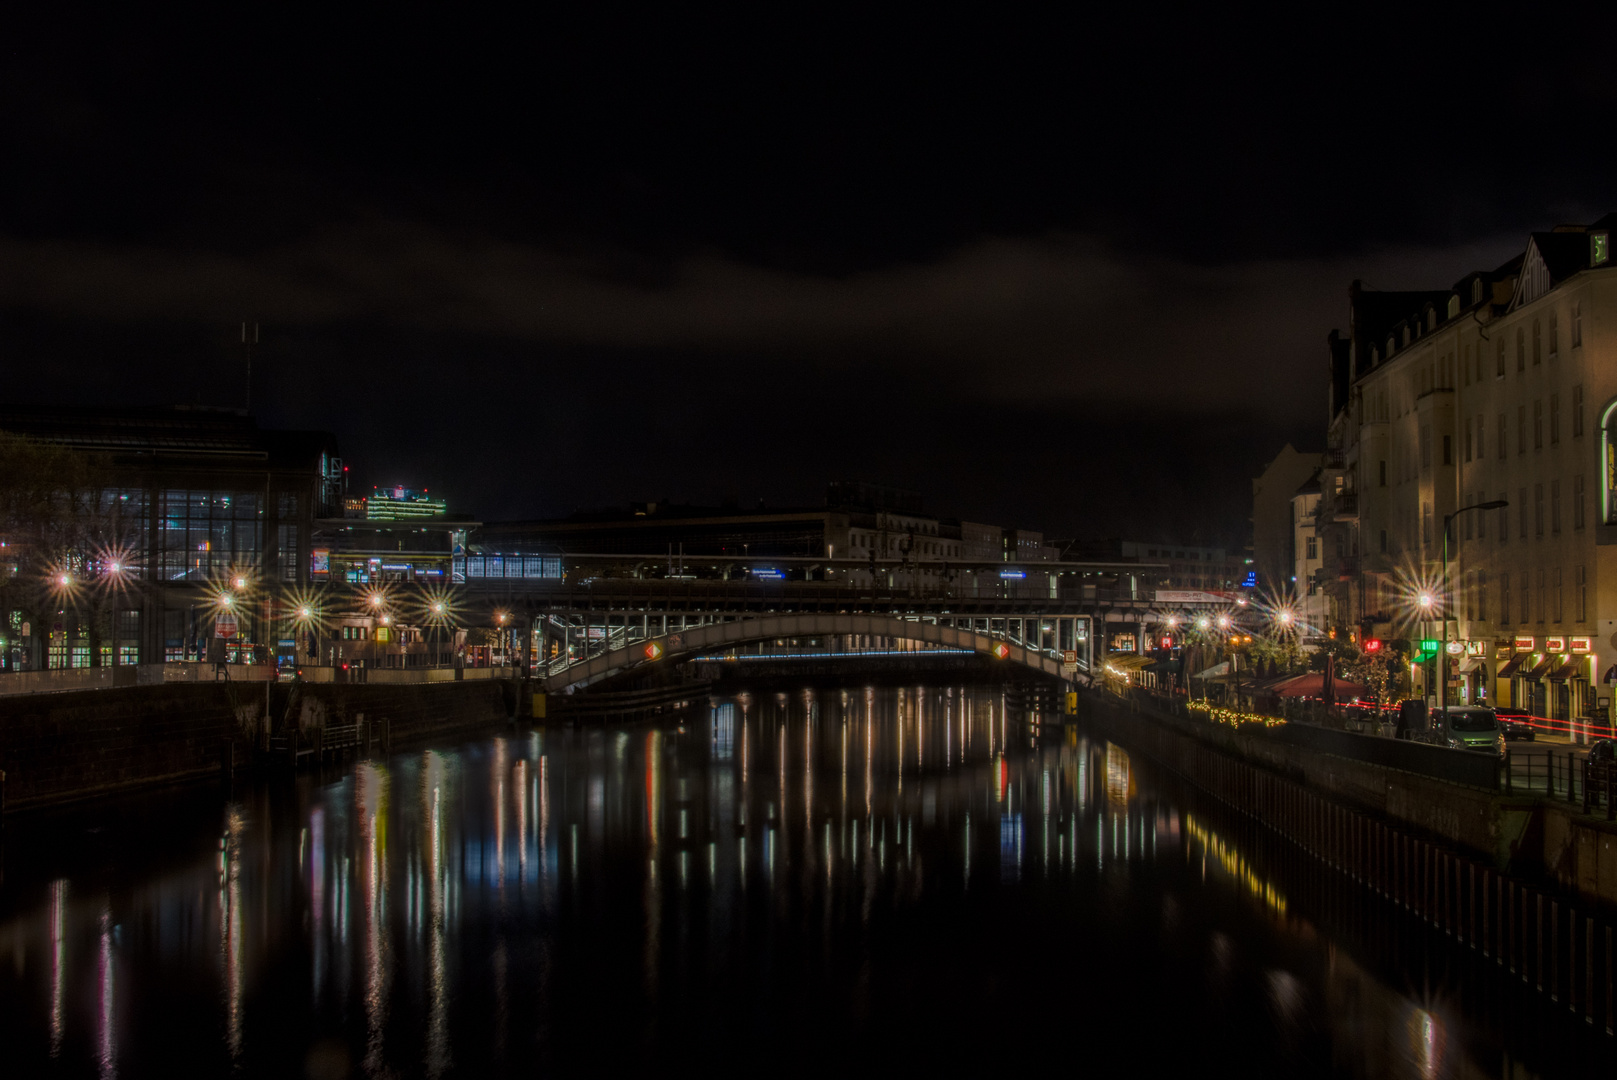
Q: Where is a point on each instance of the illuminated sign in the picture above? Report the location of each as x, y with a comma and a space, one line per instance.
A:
1524, 643
320, 562
224, 625
1430, 645
1372, 644
1001, 650
1013, 574
1250, 581
1555, 644
1455, 648
1582, 645
1476, 648
1070, 656
653, 651
383, 634
767, 574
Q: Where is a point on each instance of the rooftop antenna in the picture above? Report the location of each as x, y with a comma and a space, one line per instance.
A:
249, 338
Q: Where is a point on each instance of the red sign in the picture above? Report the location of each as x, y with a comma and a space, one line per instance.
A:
1071, 655
1554, 644
1001, 650
224, 625
1524, 643
653, 651
1372, 644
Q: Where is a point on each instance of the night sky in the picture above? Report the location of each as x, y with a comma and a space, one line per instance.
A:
1072, 275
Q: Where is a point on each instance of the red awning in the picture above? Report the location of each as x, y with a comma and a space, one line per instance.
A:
1312, 685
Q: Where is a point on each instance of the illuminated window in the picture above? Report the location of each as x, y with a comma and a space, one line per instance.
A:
1599, 248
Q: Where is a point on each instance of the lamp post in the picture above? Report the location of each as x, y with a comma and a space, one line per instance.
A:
1443, 608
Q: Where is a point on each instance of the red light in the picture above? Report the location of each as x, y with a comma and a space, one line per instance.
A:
1372, 644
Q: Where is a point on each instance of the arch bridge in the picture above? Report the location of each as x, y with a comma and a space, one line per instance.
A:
1031, 643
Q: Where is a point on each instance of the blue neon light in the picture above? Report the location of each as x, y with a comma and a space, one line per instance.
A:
1018, 574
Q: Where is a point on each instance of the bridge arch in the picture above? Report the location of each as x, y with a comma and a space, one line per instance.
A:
700, 639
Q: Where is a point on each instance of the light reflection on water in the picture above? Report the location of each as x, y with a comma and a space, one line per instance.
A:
900, 875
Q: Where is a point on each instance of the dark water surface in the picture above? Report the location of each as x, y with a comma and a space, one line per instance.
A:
859, 881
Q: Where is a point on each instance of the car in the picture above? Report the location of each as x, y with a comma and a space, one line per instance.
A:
1516, 724
1603, 751
1468, 727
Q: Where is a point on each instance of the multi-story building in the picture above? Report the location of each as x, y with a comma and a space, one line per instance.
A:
1274, 519
175, 513
1308, 598
1494, 391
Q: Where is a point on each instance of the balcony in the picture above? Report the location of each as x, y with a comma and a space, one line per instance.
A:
1347, 566
1345, 507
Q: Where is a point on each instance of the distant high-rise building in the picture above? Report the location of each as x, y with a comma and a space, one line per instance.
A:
403, 504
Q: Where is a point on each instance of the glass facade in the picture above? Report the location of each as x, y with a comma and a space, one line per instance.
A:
203, 535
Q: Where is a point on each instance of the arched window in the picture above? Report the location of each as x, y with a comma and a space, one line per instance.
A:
1608, 463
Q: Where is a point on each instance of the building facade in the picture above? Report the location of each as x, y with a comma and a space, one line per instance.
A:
1497, 390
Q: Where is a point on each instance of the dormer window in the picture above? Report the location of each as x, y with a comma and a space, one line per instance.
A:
1599, 248
1454, 305
1408, 336
1392, 346
1431, 319
1476, 290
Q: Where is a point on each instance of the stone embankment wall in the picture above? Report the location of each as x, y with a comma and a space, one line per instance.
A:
71, 745
1533, 838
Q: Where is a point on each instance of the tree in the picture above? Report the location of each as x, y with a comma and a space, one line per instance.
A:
66, 535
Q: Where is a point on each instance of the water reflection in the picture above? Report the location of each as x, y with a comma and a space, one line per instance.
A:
904, 874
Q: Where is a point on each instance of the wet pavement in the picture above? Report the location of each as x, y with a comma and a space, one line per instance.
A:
857, 880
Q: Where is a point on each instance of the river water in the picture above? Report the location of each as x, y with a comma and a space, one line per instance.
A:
856, 880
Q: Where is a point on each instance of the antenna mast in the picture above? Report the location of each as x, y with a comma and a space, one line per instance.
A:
249, 338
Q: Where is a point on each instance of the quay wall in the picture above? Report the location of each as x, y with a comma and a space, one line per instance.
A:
76, 744
1530, 837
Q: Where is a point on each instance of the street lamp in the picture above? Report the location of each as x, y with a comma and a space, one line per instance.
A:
1443, 612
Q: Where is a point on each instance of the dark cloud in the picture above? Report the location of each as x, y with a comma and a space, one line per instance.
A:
1039, 266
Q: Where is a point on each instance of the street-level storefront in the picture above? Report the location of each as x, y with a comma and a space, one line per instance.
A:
1550, 678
